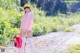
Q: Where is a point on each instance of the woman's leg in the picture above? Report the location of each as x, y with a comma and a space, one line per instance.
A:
30, 41
23, 44
19, 50
23, 35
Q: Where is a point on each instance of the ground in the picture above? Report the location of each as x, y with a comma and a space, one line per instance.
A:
55, 42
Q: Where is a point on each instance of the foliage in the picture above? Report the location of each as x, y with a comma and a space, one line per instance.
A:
9, 24
74, 48
53, 6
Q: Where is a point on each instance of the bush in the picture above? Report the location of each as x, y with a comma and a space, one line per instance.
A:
9, 23
74, 49
68, 29
37, 30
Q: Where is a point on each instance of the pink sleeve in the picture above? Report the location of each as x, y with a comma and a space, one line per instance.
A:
31, 21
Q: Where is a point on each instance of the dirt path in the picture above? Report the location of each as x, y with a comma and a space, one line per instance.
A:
56, 42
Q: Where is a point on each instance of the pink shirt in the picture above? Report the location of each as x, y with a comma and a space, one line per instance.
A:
27, 21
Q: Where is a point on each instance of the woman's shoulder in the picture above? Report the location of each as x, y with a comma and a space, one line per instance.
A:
31, 14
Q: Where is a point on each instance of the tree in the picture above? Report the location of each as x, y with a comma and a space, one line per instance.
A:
75, 7
51, 7
33, 1
23, 2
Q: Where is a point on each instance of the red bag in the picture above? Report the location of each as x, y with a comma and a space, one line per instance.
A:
17, 41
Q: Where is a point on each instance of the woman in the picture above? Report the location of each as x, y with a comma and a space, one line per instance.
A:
26, 27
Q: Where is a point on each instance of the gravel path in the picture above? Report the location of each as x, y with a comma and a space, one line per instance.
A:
56, 42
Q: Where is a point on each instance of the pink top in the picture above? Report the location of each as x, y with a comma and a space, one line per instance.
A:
27, 21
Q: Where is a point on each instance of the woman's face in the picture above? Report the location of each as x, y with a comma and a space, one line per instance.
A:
27, 9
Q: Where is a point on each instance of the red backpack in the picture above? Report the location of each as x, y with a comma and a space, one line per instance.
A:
18, 41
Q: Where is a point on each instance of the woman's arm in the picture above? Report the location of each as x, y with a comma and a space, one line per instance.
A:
31, 20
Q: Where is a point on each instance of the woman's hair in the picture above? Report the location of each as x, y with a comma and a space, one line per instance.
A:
28, 8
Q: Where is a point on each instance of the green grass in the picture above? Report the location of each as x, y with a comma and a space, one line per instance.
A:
74, 49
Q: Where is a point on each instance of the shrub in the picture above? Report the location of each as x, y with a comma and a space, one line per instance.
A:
74, 49
68, 29
37, 30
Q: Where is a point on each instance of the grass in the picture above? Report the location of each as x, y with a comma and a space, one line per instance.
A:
74, 48
58, 23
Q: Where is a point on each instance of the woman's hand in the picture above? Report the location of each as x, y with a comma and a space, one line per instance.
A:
23, 32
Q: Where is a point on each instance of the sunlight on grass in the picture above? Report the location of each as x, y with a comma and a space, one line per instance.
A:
74, 48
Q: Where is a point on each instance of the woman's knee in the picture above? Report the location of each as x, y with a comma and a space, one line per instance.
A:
23, 33
29, 31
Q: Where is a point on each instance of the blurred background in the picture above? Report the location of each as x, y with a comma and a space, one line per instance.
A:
50, 16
